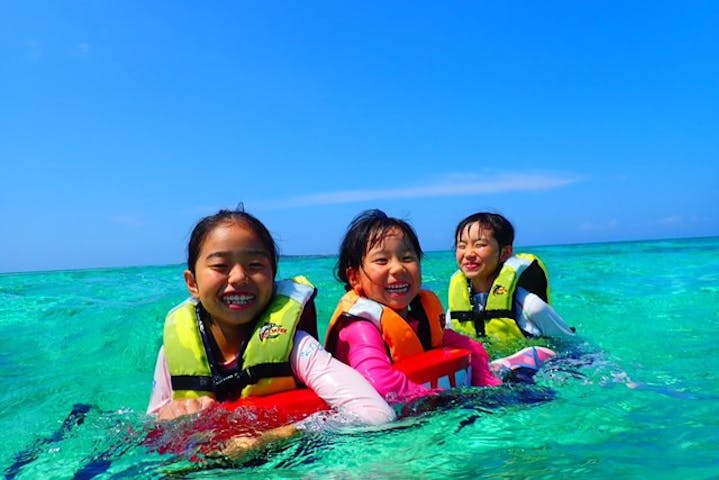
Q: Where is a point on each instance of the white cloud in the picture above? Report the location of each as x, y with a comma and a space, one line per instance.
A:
671, 220
451, 185
82, 50
131, 221
612, 224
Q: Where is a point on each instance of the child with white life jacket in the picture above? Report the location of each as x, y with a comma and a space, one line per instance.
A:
241, 334
386, 317
497, 294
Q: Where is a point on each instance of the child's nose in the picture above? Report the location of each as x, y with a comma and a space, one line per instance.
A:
238, 276
396, 266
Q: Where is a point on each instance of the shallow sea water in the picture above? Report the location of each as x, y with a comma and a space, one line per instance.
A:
636, 396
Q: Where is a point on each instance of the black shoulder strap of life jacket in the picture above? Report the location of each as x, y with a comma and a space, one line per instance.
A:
416, 311
534, 279
308, 319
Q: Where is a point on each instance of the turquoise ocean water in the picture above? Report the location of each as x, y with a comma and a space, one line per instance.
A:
647, 314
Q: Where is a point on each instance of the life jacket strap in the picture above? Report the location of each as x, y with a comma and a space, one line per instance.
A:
478, 318
192, 382
470, 316
232, 382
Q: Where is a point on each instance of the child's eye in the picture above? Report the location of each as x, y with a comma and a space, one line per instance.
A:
380, 261
410, 257
220, 267
257, 265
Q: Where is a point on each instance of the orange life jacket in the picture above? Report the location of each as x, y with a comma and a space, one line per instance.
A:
401, 340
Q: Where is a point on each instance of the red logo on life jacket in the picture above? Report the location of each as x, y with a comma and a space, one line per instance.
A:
271, 330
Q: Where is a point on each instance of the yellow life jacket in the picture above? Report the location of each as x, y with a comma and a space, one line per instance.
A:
264, 367
498, 319
401, 341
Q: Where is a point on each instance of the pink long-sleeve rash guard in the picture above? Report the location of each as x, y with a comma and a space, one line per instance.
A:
360, 345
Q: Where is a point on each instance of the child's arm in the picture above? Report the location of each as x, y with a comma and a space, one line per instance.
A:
336, 383
161, 403
161, 390
481, 375
237, 446
539, 318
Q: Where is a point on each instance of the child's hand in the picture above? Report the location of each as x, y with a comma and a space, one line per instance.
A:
186, 406
240, 445
236, 447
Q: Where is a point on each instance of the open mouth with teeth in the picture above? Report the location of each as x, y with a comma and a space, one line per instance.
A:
238, 300
397, 288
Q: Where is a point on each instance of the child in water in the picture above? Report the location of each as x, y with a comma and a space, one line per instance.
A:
216, 345
496, 293
386, 316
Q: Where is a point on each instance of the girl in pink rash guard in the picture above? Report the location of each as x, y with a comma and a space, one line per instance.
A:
386, 316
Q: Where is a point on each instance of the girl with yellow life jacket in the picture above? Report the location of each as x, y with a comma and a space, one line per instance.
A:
243, 335
495, 293
386, 317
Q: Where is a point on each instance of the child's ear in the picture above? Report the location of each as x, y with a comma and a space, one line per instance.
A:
506, 253
353, 278
191, 284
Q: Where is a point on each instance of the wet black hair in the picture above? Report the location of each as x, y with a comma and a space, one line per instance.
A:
209, 223
501, 227
364, 232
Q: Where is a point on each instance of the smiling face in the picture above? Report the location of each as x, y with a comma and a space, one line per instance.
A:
479, 255
233, 276
390, 272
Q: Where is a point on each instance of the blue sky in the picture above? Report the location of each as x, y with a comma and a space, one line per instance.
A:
124, 122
